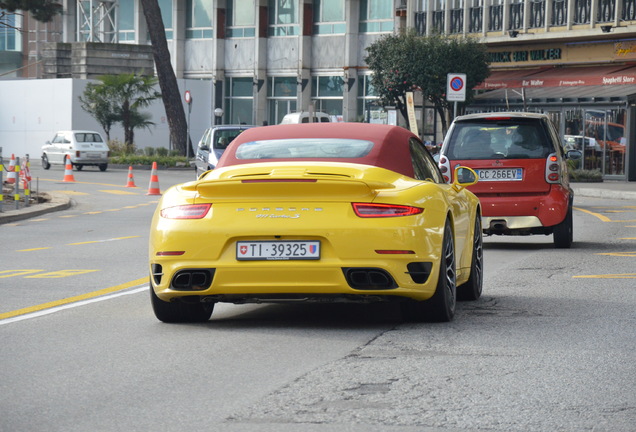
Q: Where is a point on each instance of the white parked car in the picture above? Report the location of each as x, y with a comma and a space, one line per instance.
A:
84, 148
303, 117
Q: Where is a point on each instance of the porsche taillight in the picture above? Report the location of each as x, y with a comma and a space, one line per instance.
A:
553, 169
189, 211
444, 167
372, 210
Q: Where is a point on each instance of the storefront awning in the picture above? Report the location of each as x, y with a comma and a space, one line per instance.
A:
561, 77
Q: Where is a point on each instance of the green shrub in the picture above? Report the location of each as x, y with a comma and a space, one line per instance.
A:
583, 175
162, 151
149, 151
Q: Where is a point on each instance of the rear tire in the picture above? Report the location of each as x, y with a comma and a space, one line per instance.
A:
79, 167
103, 167
45, 162
473, 287
563, 233
440, 307
180, 312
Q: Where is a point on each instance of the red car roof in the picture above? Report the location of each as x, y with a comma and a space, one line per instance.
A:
390, 150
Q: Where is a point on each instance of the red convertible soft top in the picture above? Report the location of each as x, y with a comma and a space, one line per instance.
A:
390, 149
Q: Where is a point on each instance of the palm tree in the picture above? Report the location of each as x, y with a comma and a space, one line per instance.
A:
121, 97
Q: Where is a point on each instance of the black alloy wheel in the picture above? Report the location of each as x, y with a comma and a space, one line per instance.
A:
473, 287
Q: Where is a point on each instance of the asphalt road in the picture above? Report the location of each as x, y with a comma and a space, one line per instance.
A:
549, 346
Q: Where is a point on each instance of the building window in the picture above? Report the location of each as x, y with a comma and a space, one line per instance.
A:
283, 18
126, 21
376, 16
10, 38
281, 97
329, 17
199, 19
166, 16
239, 100
240, 18
326, 94
369, 110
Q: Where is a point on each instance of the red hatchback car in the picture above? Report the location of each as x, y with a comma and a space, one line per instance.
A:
523, 176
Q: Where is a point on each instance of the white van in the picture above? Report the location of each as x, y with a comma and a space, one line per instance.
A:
84, 148
303, 117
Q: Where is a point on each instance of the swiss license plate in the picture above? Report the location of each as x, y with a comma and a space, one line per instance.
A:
500, 174
278, 250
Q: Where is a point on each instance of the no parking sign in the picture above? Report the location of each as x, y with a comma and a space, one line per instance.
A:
456, 87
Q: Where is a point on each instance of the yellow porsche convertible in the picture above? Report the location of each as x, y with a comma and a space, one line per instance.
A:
323, 212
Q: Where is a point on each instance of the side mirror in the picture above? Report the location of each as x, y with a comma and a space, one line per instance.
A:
204, 147
574, 154
464, 177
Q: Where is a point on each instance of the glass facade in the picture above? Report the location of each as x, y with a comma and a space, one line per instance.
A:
329, 17
283, 18
239, 101
600, 135
376, 16
166, 16
281, 97
327, 94
10, 39
199, 19
369, 110
126, 21
241, 18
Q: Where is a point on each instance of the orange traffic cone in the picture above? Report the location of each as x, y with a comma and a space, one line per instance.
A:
68, 170
131, 179
12, 176
153, 187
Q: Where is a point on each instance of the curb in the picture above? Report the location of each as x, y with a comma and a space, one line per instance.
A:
55, 203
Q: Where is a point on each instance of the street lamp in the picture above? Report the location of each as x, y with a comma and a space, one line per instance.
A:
218, 113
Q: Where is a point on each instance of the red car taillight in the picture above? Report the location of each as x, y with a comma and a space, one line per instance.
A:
444, 167
553, 169
369, 210
191, 211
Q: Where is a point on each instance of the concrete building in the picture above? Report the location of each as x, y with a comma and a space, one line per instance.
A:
575, 59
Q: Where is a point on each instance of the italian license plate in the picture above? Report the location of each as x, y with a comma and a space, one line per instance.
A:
500, 174
92, 155
278, 250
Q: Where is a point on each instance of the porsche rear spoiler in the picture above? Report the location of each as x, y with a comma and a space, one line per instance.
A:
292, 182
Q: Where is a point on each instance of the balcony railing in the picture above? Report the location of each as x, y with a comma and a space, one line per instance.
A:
537, 13
629, 10
560, 13
516, 16
585, 12
420, 23
495, 18
476, 20
582, 11
457, 20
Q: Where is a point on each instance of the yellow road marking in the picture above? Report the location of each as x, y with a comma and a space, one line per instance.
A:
67, 192
13, 273
102, 241
118, 192
608, 276
74, 299
59, 274
598, 215
621, 254
33, 249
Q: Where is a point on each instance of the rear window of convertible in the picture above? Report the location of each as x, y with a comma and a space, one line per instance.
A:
304, 148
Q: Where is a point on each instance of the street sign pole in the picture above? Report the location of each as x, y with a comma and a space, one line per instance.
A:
188, 99
455, 89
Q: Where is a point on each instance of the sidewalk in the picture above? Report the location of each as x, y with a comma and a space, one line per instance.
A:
608, 189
